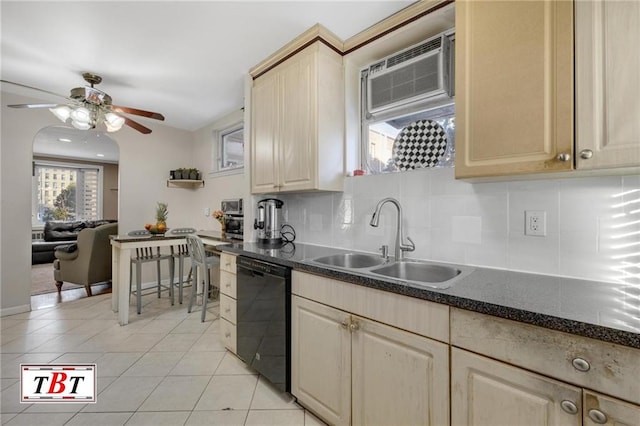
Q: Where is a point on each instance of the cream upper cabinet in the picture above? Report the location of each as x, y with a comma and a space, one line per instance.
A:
297, 136
514, 87
490, 393
607, 84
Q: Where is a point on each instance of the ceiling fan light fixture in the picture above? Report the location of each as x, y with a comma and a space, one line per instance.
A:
81, 115
62, 112
80, 126
113, 122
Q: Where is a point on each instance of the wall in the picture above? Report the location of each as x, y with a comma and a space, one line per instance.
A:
217, 188
590, 229
145, 161
109, 184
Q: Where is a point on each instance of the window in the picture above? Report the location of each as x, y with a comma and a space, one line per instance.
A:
80, 199
229, 150
379, 138
428, 122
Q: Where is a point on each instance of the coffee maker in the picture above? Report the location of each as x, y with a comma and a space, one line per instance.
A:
268, 221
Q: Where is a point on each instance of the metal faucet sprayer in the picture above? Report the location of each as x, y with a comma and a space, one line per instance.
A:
375, 221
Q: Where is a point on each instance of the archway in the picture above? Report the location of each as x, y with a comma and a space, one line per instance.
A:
75, 177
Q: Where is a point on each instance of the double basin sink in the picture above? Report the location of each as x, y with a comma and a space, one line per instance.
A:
417, 273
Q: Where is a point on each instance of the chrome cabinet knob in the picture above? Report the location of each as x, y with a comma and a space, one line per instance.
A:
581, 364
563, 156
227, 334
585, 154
597, 416
569, 407
354, 326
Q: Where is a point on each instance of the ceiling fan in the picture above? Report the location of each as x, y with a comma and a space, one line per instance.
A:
89, 106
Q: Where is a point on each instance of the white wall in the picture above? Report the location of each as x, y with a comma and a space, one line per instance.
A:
145, 161
590, 228
217, 188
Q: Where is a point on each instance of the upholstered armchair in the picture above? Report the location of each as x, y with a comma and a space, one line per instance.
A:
88, 261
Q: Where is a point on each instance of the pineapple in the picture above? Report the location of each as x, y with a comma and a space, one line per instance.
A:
161, 216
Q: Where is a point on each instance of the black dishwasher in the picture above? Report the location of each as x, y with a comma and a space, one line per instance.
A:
264, 319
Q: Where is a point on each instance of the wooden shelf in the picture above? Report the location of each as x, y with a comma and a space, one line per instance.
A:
185, 183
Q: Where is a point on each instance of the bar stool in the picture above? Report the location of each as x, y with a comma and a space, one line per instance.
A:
179, 253
146, 255
199, 259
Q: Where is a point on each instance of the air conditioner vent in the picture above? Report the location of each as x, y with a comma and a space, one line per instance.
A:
415, 52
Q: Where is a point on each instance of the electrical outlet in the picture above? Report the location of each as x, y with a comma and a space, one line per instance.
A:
535, 223
207, 211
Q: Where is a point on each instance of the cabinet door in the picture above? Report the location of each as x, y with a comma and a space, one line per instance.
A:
298, 130
599, 410
607, 84
514, 87
487, 392
399, 378
321, 360
264, 130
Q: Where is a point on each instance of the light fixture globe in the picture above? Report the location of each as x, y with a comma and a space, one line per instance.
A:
62, 112
81, 115
113, 122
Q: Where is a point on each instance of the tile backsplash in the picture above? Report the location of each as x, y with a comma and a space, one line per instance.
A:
592, 224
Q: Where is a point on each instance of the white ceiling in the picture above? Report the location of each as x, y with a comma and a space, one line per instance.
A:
186, 60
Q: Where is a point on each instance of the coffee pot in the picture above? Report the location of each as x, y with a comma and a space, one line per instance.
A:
268, 221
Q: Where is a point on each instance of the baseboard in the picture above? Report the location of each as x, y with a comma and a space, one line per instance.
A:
14, 310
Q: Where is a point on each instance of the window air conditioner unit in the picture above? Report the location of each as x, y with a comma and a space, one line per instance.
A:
415, 74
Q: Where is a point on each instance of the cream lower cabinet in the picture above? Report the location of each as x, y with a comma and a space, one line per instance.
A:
351, 370
607, 84
514, 87
538, 376
600, 409
228, 291
490, 393
297, 131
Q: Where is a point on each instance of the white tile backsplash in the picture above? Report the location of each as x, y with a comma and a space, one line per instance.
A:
591, 221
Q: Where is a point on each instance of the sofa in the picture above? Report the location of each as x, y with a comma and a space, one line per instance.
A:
88, 261
58, 233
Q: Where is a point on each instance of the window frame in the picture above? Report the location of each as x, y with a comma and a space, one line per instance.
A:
218, 150
35, 224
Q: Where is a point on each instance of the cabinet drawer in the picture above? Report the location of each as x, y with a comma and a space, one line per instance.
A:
228, 263
228, 335
418, 316
228, 284
228, 308
606, 367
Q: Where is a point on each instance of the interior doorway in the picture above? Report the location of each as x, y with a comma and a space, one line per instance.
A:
75, 177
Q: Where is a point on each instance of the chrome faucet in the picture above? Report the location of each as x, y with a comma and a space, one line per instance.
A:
400, 246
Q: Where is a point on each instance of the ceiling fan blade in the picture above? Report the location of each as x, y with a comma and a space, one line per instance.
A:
135, 125
140, 112
35, 88
33, 106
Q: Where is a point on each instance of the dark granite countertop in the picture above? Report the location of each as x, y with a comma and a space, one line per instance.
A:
600, 310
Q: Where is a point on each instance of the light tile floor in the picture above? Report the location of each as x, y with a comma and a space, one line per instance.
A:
164, 368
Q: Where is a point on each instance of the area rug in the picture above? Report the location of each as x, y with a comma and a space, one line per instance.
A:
42, 280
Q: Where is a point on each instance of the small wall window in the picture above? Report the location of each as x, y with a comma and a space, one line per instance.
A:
229, 150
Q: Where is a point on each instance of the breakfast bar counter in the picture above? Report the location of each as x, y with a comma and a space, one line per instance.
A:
121, 246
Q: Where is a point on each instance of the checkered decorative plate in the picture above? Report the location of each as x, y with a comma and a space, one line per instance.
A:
420, 144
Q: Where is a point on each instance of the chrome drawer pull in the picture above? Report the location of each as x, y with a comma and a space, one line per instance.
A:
597, 416
581, 364
569, 407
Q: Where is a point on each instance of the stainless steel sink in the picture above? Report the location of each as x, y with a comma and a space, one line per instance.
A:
351, 260
418, 272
